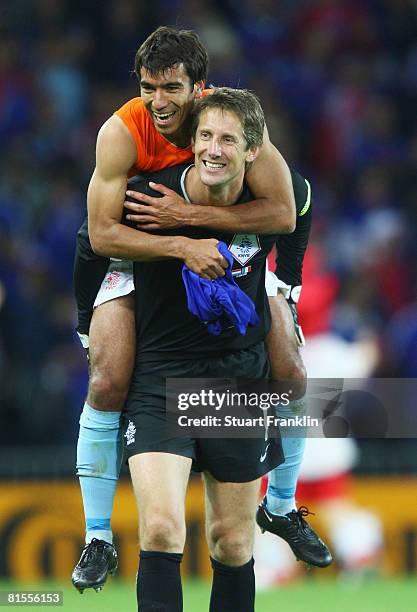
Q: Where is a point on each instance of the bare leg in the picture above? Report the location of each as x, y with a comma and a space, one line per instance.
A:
230, 524
230, 513
284, 354
99, 451
160, 482
112, 353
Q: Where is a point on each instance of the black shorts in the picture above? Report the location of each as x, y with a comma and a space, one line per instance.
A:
227, 459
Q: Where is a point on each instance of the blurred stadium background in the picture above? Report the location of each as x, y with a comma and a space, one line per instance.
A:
338, 81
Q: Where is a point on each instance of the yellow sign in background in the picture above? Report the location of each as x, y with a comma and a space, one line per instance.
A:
42, 528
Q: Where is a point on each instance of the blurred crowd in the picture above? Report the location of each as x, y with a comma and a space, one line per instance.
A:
338, 81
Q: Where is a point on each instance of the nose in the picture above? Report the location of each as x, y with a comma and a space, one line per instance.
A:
214, 149
159, 101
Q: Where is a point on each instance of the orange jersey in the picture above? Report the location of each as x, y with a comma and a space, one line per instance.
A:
154, 152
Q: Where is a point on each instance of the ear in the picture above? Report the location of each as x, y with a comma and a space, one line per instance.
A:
198, 88
253, 154
193, 145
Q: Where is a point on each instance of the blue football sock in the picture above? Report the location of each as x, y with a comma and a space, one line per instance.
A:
282, 481
99, 457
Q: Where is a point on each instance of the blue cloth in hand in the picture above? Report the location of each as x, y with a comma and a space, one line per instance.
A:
212, 300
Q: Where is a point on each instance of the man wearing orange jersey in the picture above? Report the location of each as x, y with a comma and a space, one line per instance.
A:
147, 134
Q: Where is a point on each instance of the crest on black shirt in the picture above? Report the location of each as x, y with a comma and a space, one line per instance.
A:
244, 246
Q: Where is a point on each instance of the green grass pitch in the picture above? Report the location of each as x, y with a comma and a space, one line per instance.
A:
378, 595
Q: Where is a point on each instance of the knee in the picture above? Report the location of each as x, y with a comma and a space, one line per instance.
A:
231, 546
107, 390
297, 373
162, 533
298, 378
292, 369
293, 374
298, 370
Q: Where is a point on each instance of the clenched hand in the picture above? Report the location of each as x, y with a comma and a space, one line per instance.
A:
203, 258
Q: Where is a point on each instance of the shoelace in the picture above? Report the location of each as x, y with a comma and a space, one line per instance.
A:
300, 514
89, 550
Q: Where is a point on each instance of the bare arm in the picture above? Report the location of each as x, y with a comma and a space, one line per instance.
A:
269, 179
115, 155
273, 212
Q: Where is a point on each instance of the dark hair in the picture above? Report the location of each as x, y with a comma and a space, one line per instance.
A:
245, 104
167, 47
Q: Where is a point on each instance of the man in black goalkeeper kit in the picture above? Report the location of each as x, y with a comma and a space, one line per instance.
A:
172, 343
167, 76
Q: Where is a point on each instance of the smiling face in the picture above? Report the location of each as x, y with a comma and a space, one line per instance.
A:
169, 98
220, 148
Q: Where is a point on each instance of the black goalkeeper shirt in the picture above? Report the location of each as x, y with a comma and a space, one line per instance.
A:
165, 328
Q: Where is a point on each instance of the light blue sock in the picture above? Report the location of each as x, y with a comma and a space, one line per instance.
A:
99, 457
282, 481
